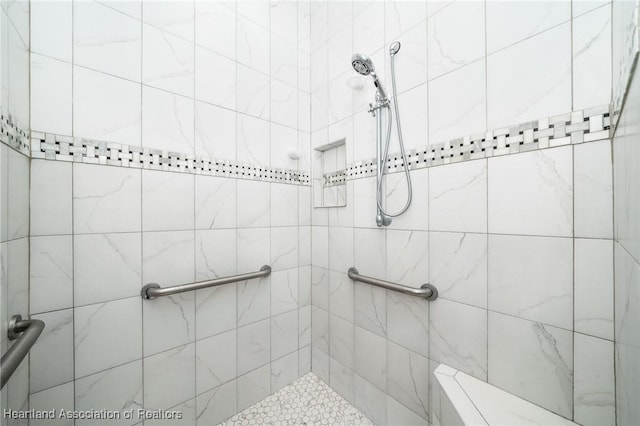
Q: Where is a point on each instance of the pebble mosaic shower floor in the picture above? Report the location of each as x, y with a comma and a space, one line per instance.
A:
307, 401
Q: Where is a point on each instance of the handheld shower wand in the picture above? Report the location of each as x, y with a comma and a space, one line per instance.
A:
364, 66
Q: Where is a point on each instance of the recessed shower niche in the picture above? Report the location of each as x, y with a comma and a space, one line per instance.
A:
329, 183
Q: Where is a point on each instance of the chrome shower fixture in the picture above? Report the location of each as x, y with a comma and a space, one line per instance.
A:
364, 65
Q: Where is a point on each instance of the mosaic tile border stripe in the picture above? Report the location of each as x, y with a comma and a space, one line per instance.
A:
50, 146
12, 135
571, 128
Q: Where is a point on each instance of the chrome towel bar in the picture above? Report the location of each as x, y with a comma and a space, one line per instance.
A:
153, 290
427, 291
26, 332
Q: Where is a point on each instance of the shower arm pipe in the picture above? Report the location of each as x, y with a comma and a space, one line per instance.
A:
25, 332
153, 290
426, 291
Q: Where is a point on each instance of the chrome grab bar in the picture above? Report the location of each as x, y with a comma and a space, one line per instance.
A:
30, 330
153, 290
427, 291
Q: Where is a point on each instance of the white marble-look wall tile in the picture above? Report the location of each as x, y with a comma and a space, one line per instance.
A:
253, 140
168, 322
400, 16
407, 257
341, 341
188, 410
215, 76
304, 361
51, 358
343, 216
456, 37
106, 199
253, 203
165, 381
51, 95
284, 334
217, 405
106, 40
284, 19
215, 254
532, 278
168, 257
118, 389
339, 50
320, 246
215, 310
594, 385
284, 291
51, 273
281, 198
521, 86
253, 45
414, 124
284, 371
370, 251
106, 267
341, 380
510, 23
284, 104
17, 196
398, 414
254, 346
593, 199
593, 286
627, 312
51, 29
50, 198
215, 21
524, 355
254, 300
532, 193
252, 92
100, 329
371, 308
369, 22
458, 197
458, 334
176, 17
340, 98
132, 8
416, 217
304, 326
167, 201
106, 108
167, 61
216, 361
408, 379
592, 58
340, 249
215, 131
304, 246
319, 24
215, 202
458, 103
371, 400
458, 266
254, 386
167, 121
283, 140
371, 368
411, 61
56, 398
320, 287
341, 296
284, 60
320, 332
408, 321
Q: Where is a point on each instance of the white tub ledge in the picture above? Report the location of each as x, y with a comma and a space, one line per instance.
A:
462, 400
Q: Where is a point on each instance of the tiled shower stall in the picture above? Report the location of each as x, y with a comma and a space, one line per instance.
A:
174, 142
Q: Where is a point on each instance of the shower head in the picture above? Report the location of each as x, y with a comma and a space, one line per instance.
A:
364, 65
394, 48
